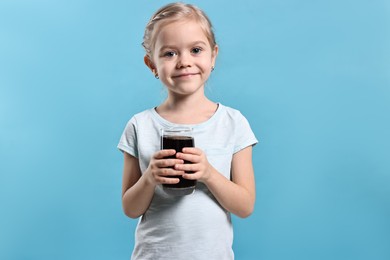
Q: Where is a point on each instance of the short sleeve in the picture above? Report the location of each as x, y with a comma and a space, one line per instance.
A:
244, 135
128, 140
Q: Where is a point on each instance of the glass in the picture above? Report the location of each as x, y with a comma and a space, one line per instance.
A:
177, 139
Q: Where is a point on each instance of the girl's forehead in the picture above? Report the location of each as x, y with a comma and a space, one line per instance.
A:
180, 30
179, 24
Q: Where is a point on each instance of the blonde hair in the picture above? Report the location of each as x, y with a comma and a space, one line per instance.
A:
171, 13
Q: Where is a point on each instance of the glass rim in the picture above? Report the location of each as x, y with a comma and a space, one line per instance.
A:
187, 131
177, 129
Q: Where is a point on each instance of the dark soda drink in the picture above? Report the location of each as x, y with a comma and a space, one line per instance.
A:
178, 142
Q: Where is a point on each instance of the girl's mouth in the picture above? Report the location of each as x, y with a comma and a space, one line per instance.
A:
185, 75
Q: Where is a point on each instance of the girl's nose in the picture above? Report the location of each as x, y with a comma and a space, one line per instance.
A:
184, 61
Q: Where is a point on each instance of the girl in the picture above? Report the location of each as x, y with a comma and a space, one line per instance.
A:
181, 52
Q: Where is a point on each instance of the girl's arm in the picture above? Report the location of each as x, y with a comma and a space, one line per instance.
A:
137, 192
236, 195
137, 188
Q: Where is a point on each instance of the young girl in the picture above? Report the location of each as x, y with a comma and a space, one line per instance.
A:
181, 52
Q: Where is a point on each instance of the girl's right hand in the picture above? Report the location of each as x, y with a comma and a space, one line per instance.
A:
161, 170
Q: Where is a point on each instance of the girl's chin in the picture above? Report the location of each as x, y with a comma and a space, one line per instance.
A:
185, 91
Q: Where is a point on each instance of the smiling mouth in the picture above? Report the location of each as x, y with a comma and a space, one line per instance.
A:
185, 75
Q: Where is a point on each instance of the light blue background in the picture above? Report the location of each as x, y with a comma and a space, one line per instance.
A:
312, 77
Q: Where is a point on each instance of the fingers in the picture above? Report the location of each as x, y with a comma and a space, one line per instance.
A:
192, 155
167, 180
196, 165
187, 167
162, 167
166, 175
165, 163
191, 176
164, 153
192, 150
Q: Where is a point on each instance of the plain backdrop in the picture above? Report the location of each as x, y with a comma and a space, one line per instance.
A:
312, 78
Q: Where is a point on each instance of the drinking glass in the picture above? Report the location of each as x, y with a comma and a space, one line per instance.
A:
177, 139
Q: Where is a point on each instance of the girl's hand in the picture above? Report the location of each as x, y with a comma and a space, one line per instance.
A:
199, 165
161, 169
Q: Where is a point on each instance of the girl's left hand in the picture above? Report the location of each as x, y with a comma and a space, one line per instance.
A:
199, 165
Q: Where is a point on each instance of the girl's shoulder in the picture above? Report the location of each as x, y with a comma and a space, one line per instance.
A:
141, 115
231, 112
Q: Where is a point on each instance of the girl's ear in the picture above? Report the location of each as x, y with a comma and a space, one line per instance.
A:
214, 54
150, 64
215, 51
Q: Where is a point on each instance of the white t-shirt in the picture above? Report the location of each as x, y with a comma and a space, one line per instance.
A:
195, 226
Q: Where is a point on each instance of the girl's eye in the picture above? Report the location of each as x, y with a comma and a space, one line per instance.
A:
169, 54
196, 50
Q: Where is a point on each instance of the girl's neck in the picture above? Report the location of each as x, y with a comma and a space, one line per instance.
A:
187, 110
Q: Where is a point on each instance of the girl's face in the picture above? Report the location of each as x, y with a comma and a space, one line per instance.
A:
182, 57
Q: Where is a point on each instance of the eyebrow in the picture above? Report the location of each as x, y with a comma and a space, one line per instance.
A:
173, 47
